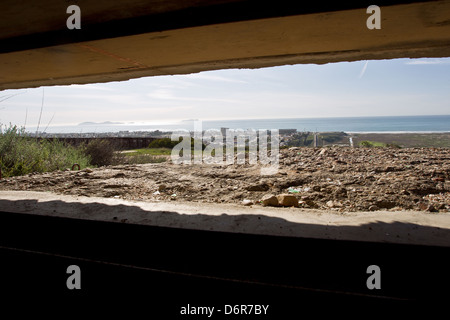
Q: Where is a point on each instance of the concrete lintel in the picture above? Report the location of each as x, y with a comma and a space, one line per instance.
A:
407, 30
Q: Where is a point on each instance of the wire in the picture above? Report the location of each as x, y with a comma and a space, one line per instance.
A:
202, 276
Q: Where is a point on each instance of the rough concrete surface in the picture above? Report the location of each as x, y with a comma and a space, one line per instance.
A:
410, 30
383, 226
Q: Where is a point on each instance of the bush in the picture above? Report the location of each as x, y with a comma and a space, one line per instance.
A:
366, 144
163, 143
21, 154
168, 143
101, 152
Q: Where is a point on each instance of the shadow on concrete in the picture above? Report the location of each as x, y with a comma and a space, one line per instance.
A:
163, 255
393, 232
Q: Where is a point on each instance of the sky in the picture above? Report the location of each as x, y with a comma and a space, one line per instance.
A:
396, 87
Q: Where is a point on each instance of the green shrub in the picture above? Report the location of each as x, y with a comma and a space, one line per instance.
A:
101, 152
366, 144
163, 143
168, 143
21, 154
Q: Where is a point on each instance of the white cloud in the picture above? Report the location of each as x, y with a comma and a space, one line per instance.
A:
428, 61
165, 94
91, 87
210, 77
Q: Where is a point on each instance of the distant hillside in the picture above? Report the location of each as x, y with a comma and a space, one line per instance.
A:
98, 123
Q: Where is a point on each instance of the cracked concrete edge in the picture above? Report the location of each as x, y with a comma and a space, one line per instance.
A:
404, 227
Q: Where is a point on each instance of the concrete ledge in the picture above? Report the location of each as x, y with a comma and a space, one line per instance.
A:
405, 227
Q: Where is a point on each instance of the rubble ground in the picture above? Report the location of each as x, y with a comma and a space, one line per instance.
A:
340, 179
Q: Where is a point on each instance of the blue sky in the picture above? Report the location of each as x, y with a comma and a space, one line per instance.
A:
362, 88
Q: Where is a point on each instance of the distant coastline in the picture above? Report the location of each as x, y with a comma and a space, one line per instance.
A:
394, 124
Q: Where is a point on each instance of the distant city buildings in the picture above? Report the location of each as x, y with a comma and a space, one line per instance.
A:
288, 137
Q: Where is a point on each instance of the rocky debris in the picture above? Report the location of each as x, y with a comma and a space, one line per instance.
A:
247, 202
424, 206
119, 175
269, 200
332, 178
287, 200
258, 187
309, 204
334, 204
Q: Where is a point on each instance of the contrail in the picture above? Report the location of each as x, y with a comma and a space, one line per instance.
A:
363, 69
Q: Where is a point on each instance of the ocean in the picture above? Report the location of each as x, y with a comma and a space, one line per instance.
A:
434, 123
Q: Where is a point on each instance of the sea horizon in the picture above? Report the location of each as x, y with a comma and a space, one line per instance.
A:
357, 124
